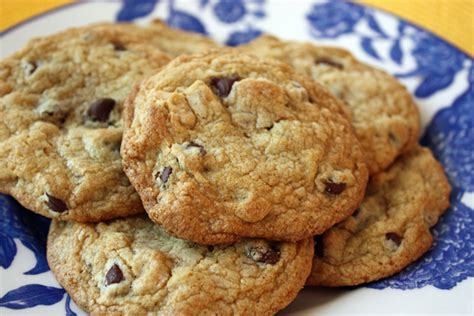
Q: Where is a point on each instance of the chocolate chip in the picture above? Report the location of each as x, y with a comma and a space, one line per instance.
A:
202, 151
223, 85
356, 212
100, 109
119, 46
334, 188
272, 256
165, 174
263, 254
393, 138
318, 246
329, 62
33, 68
394, 237
210, 248
55, 204
114, 275
62, 119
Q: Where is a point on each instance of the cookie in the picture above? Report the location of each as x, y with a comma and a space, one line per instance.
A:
61, 99
175, 42
384, 115
391, 228
133, 267
223, 145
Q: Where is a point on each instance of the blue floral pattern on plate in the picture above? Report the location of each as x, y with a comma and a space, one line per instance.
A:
450, 134
230, 11
226, 11
334, 18
451, 137
31, 295
30, 228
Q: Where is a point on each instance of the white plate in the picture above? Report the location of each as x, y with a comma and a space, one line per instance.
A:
440, 76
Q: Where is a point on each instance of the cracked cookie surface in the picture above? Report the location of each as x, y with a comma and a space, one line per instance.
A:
61, 98
133, 267
384, 115
391, 228
223, 145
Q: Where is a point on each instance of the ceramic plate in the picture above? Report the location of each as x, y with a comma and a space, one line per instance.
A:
440, 76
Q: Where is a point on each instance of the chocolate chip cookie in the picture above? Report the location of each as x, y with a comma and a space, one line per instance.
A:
133, 267
383, 113
223, 145
391, 228
61, 99
175, 42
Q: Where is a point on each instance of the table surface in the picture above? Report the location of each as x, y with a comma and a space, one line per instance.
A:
453, 20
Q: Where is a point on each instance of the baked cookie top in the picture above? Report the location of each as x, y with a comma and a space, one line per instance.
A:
61, 99
384, 115
223, 145
391, 228
175, 42
132, 267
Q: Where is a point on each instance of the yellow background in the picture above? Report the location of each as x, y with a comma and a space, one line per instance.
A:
451, 19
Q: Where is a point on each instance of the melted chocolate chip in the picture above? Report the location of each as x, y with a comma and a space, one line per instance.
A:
263, 254
202, 151
165, 174
114, 275
210, 248
329, 62
223, 85
100, 109
318, 246
394, 237
334, 188
55, 204
119, 46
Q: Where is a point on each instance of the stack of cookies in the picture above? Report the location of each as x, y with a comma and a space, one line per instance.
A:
187, 178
